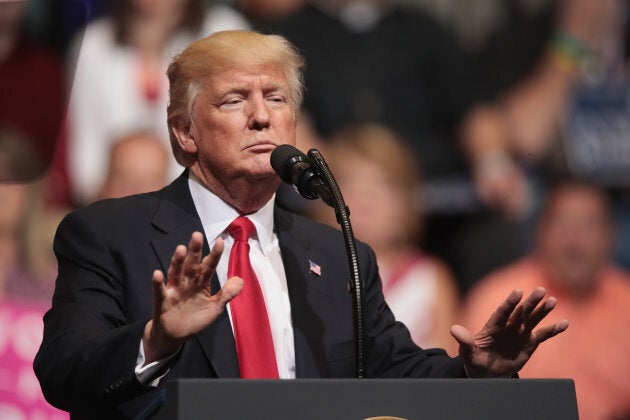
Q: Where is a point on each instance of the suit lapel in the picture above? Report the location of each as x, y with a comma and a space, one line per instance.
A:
309, 295
176, 220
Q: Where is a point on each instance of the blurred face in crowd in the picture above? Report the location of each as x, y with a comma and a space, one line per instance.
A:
378, 175
13, 202
11, 17
11, 14
376, 201
138, 163
575, 237
238, 118
158, 7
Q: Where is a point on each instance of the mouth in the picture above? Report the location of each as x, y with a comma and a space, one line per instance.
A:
262, 146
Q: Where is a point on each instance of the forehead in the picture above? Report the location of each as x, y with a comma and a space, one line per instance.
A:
575, 196
247, 76
575, 201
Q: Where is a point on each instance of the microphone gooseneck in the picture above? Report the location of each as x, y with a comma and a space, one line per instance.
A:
312, 178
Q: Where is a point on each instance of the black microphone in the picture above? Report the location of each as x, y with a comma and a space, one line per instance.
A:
312, 178
295, 168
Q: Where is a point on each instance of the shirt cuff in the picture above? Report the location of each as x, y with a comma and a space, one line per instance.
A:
146, 375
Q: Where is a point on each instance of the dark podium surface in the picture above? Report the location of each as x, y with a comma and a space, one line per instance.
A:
350, 399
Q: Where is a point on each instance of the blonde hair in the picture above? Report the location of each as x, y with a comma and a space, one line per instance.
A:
220, 52
391, 152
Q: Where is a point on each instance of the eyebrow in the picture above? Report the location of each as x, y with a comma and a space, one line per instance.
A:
232, 90
244, 88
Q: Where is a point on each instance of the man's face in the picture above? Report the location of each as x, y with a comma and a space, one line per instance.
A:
238, 119
575, 238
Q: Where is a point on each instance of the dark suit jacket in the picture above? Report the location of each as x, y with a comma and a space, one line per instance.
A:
107, 253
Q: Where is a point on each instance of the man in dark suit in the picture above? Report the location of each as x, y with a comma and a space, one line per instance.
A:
113, 337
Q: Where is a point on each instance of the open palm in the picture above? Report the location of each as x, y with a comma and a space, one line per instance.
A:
508, 339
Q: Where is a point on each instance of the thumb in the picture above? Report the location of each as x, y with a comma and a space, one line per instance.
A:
230, 290
462, 335
465, 340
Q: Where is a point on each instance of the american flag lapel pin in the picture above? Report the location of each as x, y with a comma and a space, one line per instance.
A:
314, 268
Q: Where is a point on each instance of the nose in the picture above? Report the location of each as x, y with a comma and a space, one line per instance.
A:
259, 117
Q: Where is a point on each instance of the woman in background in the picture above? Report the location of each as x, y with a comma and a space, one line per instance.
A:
120, 84
27, 276
379, 179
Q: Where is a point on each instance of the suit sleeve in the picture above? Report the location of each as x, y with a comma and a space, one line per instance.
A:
89, 349
391, 353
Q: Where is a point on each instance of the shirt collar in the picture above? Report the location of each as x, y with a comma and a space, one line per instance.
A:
216, 215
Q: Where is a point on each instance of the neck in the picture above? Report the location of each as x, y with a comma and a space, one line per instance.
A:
244, 194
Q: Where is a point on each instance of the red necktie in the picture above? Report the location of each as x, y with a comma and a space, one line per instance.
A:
254, 345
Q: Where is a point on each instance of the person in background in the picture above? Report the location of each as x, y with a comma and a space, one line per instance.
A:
380, 181
33, 194
120, 84
25, 271
572, 260
32, 99
27, 277
138, 163
373, 61
27, 223
376, 61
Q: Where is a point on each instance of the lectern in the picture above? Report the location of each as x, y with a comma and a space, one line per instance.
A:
358, 399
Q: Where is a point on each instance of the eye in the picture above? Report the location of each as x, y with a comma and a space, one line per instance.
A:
278, 99
232, 101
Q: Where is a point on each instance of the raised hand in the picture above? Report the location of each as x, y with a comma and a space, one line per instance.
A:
184, 305
507, 340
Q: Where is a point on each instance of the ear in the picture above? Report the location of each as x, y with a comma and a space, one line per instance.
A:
183, 132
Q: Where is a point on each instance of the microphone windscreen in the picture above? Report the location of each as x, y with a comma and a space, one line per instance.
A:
282, 159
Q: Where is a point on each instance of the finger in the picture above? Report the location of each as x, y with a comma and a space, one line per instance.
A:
540, 313
546, 333
209, 263
177, 265
159, 291
229, 291
501, 316
193, 258
215, 254
532, 302
516, 318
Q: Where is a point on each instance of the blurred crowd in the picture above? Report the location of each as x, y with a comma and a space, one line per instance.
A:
481, 146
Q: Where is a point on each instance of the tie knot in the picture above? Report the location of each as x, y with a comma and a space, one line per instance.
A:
241, 229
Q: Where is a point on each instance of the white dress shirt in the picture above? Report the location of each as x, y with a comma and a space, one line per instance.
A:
216, 215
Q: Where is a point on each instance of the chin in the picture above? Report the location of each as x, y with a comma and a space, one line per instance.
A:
263, 174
